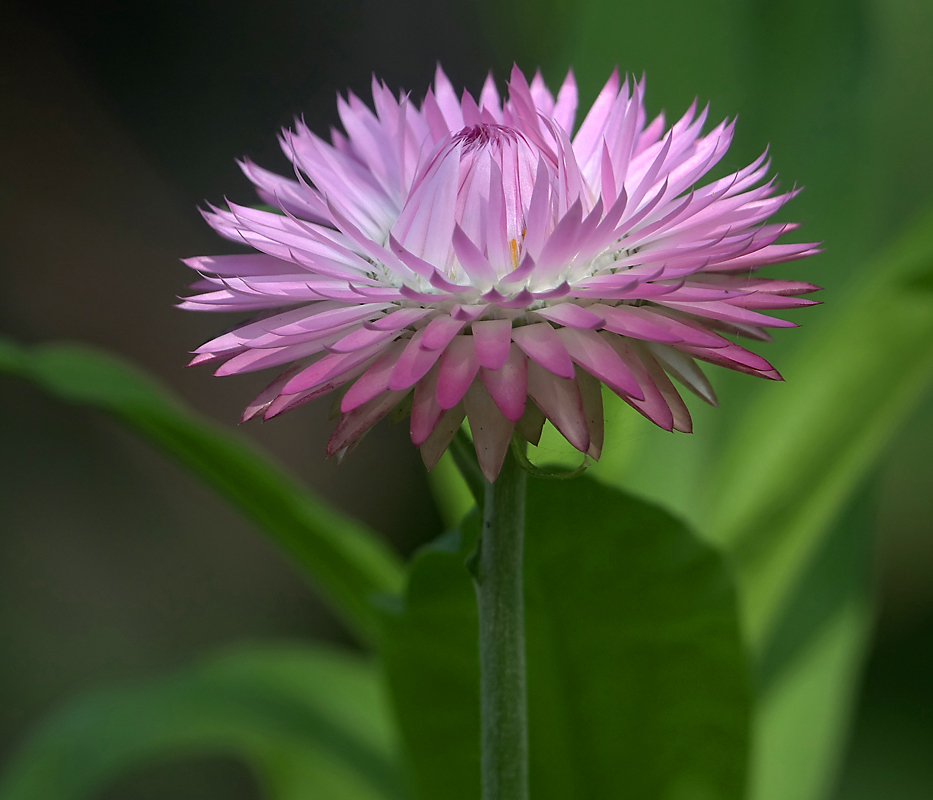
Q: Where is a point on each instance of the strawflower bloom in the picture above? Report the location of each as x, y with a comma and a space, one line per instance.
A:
475, 258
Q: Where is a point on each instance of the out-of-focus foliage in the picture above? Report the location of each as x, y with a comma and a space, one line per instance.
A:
300, 716
347, 560
637, 672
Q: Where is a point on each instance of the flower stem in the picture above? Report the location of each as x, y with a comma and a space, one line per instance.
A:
498, 582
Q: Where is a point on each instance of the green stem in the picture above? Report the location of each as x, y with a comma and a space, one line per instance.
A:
498, 582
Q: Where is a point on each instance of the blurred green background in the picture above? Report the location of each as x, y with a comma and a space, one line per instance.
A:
119, 119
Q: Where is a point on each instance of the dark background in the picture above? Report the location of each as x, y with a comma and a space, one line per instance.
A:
118, 120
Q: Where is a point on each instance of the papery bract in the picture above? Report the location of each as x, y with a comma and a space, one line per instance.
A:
471, 255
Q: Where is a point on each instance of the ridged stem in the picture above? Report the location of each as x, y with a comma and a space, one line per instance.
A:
498, 582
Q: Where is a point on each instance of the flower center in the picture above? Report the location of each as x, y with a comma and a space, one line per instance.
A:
485, 134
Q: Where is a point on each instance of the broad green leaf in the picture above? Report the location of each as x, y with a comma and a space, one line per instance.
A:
802, 720
796, 457
636, 668
293, 713
808, 674
347, 561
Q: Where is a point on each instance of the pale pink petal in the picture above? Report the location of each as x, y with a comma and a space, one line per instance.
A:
374, 381
560, 401
264, 399
590, 351
413, 364
458, 366
425, 410
440, 331
592, 396
572, 315
354, 425
440, 438
508, 385
492, 339
684, 368
542, 345
330, 366
492, 432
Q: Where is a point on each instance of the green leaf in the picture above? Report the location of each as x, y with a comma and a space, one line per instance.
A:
348, 562
808, 674
292, 712
796, 457
637, 672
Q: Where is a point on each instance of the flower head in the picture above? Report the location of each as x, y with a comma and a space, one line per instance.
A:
477, 259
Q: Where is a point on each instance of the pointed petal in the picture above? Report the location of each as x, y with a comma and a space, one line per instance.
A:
458, 366
354, 425
542, 345
437, 443
492, 338
425, 411
374, 381
592, 395
439, 332
413, 364
508, 385
492, 431
685, 369
560, 401
593, 353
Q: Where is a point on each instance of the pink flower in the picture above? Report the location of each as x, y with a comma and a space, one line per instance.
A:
472, 258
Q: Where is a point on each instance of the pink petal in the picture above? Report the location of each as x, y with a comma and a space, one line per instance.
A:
637, 323
728, 313
542, 345
592, 396
425, 411
684, 369
361, 338
591, 351
572, 315
565, 109
458, 366
492, 432
264, 399
560, 401
439, 332
252, 360
682, 420
374, 381
474, 263
508, 385
654, 405
413, 364
330, 366
396, 320
440, 438
492, 339
354, 425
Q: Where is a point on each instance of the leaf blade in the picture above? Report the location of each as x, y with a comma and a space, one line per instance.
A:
347, 561
612, 635
266, 706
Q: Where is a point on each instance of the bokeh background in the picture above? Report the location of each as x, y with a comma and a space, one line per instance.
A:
119, 119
